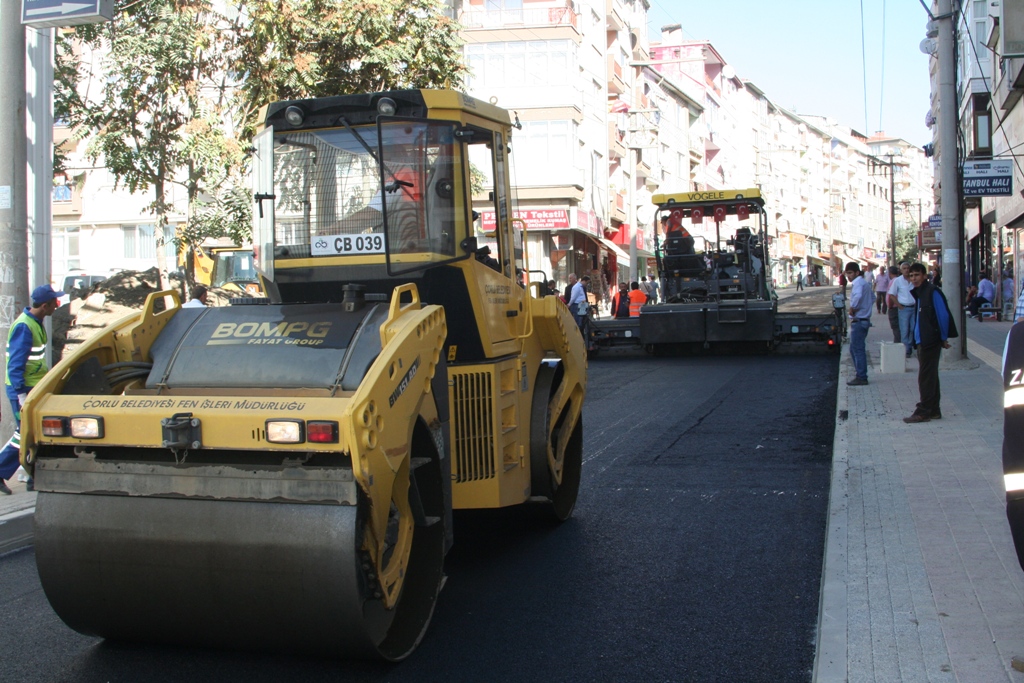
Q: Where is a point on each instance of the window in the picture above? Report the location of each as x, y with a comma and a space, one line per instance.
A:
497, 65
549, 149
982, 126
65, 244
140, 242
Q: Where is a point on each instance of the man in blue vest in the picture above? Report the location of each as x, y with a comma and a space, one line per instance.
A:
26, 365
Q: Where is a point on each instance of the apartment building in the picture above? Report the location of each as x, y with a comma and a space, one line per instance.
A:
605, 121
1005, 50
593, 143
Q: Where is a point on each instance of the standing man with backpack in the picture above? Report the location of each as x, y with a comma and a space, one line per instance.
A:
933, 329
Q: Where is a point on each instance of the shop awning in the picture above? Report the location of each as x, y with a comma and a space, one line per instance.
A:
643, 253
815, 259
847, 258
622, 256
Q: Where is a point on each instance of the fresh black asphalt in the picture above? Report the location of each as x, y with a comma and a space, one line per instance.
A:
694, 553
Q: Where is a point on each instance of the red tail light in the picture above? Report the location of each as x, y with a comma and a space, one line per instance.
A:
322, 431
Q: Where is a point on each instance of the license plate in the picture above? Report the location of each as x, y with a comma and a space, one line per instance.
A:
344, 245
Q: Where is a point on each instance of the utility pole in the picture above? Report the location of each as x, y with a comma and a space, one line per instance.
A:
13, 198
892, 211
949, 170
891, 165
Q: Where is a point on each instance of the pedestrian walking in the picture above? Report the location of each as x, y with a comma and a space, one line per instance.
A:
869, 275
842, 281
861, 303
933, 329
655, 288
645, 287
799, 282
901, 298
26, 365
1013, 435
881, 291
893, 311
568, 288
578, 303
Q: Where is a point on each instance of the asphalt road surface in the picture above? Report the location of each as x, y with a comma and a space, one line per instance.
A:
694, 553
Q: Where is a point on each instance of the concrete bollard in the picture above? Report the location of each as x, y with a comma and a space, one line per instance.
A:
894, 358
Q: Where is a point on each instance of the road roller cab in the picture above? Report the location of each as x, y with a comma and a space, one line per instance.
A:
281, 472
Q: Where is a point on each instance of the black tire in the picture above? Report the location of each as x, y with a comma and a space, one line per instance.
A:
561, 492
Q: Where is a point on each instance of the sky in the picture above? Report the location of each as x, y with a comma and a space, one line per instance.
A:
806, 55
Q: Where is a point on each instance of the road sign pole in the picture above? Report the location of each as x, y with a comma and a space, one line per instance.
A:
13, 198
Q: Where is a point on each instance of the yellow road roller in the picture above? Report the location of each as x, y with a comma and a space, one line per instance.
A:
281, 473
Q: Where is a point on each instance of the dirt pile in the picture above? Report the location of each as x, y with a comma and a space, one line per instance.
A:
103, 303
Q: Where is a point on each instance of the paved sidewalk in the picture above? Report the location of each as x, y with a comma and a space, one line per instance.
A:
921, 581
16, 517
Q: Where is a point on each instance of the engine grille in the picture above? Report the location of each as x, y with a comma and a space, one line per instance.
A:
474, 426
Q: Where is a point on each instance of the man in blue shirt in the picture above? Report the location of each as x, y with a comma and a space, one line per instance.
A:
861, 304
932, 332
986, 294
578, 303
26, 365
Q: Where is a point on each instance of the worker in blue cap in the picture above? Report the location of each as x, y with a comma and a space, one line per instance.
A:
26, 365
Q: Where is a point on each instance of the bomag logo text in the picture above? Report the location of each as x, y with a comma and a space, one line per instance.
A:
284, 333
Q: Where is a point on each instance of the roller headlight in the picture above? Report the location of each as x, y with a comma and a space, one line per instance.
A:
285, 431
87, 427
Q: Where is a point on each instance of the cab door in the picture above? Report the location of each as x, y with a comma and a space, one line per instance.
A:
499, 288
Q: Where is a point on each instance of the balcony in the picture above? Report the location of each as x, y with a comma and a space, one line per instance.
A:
696, 146
643, 169
616, 15
562, 15
616, 147
617, 207
66, 199
616, 86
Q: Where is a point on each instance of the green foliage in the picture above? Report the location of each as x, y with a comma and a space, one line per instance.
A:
906, 244
182, 83
320, 48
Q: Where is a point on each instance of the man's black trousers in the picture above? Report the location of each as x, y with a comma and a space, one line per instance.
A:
928, 378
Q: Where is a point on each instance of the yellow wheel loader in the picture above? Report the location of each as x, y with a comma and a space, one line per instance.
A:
280, 473
222, 264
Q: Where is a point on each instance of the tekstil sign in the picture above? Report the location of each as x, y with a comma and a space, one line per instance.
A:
46, 13
993, 178
536, 219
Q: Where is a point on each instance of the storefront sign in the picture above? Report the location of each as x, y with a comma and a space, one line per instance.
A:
992, 178
536, 219
929, 239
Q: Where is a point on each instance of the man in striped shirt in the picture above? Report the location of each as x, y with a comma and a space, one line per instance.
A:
26, 365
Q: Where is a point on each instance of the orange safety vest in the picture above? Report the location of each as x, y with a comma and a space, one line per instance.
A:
636, 300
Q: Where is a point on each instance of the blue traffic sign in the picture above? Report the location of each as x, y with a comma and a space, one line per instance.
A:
44, 13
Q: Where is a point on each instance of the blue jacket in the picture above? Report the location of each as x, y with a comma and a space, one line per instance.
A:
934, 321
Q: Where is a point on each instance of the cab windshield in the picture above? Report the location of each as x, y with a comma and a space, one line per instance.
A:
343, 192
233, 267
